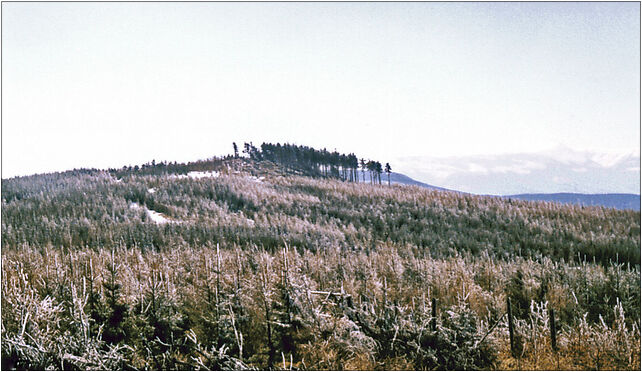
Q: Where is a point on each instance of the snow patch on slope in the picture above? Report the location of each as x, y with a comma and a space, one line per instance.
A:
196, 175
157, 217
257, 179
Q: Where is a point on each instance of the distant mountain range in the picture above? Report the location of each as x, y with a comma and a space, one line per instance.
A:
397, 178
617, 201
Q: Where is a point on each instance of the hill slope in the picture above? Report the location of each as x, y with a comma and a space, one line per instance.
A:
238, 206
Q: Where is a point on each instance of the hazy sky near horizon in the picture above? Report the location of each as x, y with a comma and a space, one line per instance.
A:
108, 84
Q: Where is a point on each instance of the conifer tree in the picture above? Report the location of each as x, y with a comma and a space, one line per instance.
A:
117, 311
388, 170
372, 168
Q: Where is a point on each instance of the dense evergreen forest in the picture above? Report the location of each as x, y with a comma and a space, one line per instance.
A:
280, 257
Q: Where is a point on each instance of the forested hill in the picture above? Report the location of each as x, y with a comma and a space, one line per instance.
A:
244, 201
247, 263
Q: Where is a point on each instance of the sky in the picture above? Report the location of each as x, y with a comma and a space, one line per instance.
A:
112, 84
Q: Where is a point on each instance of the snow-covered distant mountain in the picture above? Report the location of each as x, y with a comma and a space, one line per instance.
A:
560, 170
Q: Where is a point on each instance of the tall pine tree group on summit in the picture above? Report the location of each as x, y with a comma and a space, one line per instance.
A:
314, 162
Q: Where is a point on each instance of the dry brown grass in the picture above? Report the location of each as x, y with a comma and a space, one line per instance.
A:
36, 282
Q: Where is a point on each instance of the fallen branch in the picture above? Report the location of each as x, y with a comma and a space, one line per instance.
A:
490, 330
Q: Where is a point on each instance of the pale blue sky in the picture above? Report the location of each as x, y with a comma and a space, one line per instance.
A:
108, 84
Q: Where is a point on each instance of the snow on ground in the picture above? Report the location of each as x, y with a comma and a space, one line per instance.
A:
196, 175
257, 179
112, 178
157, 217
179, 176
